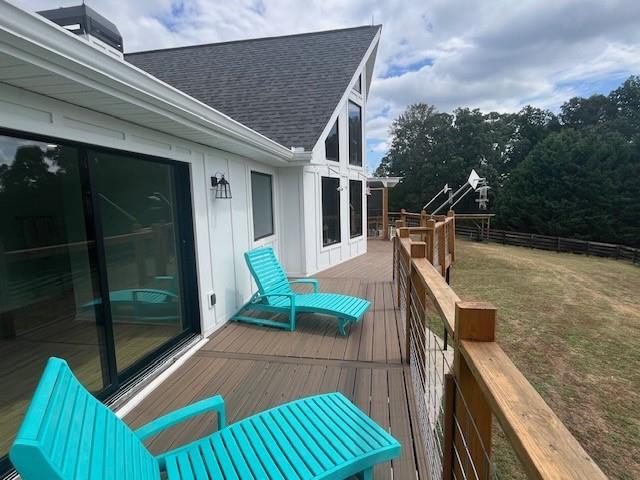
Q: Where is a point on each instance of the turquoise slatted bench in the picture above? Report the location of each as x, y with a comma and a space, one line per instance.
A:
67, 434
275, 295
152, 304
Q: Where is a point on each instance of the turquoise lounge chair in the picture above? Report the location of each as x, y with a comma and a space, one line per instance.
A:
67, 434
275, 295
157, 304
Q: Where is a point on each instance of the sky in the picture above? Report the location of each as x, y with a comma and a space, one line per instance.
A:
492, 54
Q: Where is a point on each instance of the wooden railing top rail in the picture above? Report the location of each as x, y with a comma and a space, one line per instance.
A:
474, 216
442, 295
543, 444
49, 250
435, 225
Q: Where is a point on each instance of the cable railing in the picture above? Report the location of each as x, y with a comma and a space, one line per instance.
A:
462, 379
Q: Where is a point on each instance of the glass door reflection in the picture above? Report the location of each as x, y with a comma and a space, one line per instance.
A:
138, 210
48, 274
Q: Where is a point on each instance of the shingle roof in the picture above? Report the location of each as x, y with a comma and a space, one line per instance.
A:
283, 87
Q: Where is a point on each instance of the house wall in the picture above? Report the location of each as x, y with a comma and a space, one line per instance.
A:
316, 256
223, 228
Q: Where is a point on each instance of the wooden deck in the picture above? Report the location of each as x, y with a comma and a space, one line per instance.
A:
255, 368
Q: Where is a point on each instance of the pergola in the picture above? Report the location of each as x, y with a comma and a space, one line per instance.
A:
383, 184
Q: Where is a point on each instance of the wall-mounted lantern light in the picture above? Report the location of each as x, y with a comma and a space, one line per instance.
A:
221, 186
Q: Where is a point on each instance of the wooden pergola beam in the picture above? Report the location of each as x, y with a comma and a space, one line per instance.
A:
385, 213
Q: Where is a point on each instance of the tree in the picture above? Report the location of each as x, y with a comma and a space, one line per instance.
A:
626, 104
575, 174
578, 112
576, 184
423, 153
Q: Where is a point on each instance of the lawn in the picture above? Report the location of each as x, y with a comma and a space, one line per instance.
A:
572, 325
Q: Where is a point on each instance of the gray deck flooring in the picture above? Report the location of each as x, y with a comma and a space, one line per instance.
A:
255, 368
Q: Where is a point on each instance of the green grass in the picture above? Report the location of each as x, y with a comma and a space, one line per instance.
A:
572, 325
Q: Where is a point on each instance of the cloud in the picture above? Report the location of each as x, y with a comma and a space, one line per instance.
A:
498, 55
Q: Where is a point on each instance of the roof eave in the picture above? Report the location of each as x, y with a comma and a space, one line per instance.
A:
47, 46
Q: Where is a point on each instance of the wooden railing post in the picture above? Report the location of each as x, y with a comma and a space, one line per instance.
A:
452, 235
475, 321
402, 232
159, 232
417, 250
448, 426
423, 218
442, 249
7, 325
385, 213
430, 239
403, 216
140, 253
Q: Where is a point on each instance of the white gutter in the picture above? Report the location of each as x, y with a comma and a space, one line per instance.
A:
44, 44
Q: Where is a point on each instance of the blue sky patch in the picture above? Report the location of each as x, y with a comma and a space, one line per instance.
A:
396, 70
171, 21
603, 85
259, 7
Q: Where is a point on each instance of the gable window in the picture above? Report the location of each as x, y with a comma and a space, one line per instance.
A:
332, 144
358, 86
262, 203
355, 134
330, 211
355, 208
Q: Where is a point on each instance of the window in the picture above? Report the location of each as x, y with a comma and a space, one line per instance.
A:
358, 86
355, 208
330, 211
355, 134
332, 145
262, 203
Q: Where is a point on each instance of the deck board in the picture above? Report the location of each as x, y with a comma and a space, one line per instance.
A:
256, 368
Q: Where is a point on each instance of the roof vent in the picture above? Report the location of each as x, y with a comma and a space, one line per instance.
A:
87, 23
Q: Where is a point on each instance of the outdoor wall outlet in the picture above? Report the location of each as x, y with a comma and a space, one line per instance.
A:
212, 299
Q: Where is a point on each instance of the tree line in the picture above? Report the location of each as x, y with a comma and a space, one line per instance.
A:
572, 174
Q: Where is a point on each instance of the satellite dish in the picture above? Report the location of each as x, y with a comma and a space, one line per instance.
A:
473, 179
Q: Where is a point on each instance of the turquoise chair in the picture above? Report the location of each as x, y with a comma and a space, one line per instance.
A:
157, 304
67, 434
275, 295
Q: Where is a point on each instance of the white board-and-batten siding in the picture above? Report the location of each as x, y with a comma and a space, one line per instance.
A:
223, 229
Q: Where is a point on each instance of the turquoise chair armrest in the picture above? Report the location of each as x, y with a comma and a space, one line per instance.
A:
312, 281
215, 403
258, 296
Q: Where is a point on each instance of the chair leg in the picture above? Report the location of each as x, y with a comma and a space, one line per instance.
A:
292, 320
341, 324
366, 474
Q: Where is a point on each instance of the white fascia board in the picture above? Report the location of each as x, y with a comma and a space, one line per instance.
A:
371, 50
34, 39
388, 182
371, 63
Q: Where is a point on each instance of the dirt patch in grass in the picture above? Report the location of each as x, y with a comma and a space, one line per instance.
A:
572, 325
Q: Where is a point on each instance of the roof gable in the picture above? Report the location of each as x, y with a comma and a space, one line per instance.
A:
283, 87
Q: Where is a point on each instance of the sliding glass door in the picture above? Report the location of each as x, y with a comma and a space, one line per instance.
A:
97, 266
139, 209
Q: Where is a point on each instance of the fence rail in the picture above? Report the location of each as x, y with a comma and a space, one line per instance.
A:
557, 244
462, 378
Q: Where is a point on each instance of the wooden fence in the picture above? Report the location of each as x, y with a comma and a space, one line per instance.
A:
557, 244
462, 383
